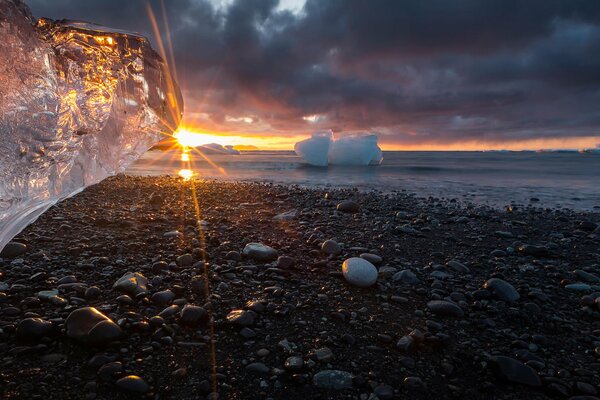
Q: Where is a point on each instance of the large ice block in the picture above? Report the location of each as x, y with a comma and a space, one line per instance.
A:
78, 102
323, 149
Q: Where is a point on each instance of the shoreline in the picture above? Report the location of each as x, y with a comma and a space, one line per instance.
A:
388, 339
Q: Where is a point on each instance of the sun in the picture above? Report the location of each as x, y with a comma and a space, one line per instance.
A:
187, 138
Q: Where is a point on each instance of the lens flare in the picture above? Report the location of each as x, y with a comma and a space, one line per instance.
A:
186, 174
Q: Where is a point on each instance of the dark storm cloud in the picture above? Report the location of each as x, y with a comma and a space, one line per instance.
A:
438, 70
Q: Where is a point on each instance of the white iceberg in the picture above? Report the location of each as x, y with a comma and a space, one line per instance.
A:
78, 103
323, 149
215, 148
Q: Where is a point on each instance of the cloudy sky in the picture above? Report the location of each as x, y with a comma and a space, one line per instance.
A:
457, 74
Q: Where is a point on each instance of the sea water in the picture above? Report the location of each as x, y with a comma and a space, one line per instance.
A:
498, 179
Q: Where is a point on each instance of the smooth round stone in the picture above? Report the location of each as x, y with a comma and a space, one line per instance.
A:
348, 206
405, 276
13, 249
294, 363
502, 290
586, 276
47, 294
163, 298
240, 317
458, 266
185, 260
359, 272
323, 354
233, 256
333, 379
331, 247
578, 287
258, 368
260, 252
285, 262
372, 258
110, 371
445, 308
33, 329
160, 266
515, 371
193, 315
133, 384
132, 283
90, 326
92, 293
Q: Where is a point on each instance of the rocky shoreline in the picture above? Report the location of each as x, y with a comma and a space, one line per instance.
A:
310, 294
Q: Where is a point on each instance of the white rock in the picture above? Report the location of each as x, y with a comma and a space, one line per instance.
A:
260, 252
359, 272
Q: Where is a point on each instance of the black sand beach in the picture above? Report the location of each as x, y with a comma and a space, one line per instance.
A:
437, 332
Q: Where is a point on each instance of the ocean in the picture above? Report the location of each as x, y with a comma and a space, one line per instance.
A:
498, 179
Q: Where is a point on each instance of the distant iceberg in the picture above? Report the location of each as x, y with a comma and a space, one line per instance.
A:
215, 148
323, 149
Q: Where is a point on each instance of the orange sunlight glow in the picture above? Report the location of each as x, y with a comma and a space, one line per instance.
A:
186, 174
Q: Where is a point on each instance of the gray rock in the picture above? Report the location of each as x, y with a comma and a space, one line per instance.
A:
359, 272
90, 326
260, 252
323, 354
406, 343
133, 384
586, 276
405, 276
193, 315
13, 249
258, 368
233, 256
348, 206
163, 298
372, 258
184, 260
331, 247
502, 290
514, 371
285, 262
132, 283
458, 266
578, 287
333, 379
445, 308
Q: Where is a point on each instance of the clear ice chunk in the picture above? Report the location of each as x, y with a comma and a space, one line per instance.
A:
323, 149
78, 102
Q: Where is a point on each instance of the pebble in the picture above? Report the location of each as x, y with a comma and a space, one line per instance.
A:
333, 379
445, 308
348, 206
133, 384
90, 326
405, 276
372, 258
515, 371
502, 290
258, 368
260, 252
33, 329
192, 315
359, 272
331, 247
13, 250
294, 363
240, 317
163, 298
132, 283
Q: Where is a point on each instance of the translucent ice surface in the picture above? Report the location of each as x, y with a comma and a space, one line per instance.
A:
356, 149
78, 103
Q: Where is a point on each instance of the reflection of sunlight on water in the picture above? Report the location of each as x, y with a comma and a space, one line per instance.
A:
186, 174
185, 157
